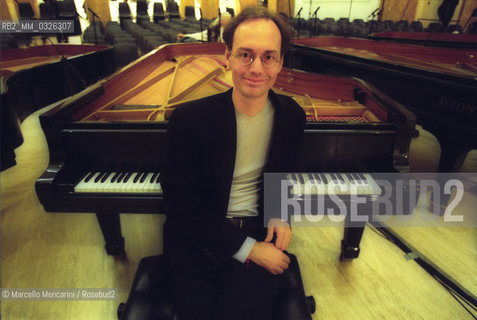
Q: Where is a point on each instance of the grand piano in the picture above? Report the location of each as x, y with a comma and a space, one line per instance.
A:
37, 76
106, 143
439, 85
34, 77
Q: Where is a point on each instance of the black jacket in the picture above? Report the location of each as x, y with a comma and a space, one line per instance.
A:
197, 173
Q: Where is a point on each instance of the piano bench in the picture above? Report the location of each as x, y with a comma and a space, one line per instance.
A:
150, 297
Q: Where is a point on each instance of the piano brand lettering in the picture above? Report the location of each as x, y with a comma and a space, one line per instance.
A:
457, 106
340, 197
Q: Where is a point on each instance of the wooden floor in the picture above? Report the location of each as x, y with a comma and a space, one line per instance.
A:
46, 250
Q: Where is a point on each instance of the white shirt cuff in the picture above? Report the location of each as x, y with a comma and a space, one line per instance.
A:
242, 253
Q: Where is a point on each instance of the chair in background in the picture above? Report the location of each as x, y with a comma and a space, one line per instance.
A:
189, 12
94, 33
435, 27
25, 11
158, 12
124, 13
141, 11
67, 11
173, 10
48, 11
454, 28
7, 41
416, 26
123, 54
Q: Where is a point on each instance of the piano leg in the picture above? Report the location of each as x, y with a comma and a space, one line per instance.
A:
111, 228
454, 149
452, 158
351, 239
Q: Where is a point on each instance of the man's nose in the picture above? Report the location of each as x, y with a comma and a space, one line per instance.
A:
256, 65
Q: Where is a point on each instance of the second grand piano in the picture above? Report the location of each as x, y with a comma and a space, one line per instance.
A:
106, 143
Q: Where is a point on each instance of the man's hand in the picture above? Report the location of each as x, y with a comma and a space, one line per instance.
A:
267, 256
283, 232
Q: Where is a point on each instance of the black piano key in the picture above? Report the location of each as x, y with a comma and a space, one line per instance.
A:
339, 178
358, 179
127, 177
99, 176
158, 178
136, 178
121, 177
322, 178
105, 177
334, 177
115, 177
362, 178
154, 177
143, 177
89, 176
313, 179
352, 178
300, 178
317, 178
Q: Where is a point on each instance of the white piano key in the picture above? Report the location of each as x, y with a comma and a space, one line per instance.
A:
149, 187
107, 185
126, 185
86, 186
136, 184
80, 185
117, 184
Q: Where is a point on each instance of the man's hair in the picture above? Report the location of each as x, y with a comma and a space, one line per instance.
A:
258, 12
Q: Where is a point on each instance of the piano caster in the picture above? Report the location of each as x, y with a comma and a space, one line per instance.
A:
348, 252
311, 304
415, 133
120, 310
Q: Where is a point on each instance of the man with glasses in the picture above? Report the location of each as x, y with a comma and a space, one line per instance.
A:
224, 256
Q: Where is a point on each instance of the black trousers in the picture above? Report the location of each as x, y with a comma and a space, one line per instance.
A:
206, 290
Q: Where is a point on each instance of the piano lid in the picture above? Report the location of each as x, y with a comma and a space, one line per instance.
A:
460, 63
449, 40
14, 60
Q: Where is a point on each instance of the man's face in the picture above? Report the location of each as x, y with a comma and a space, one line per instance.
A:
258, 37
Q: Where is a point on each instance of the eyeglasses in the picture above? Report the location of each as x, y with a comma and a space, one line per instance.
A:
246, 59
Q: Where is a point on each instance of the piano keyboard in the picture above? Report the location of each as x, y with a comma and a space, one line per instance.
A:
336, 183
119, 182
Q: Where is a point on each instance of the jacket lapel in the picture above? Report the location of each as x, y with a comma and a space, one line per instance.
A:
224, 146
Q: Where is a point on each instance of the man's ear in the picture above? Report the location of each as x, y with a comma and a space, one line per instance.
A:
227, 56
280, 65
